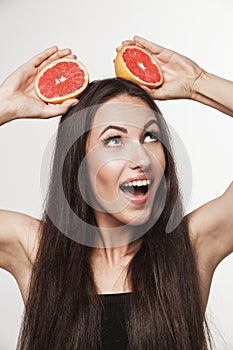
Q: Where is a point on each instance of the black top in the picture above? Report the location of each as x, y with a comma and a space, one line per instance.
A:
114, 334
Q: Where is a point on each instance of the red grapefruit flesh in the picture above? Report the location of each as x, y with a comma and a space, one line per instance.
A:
136, 64
62, 79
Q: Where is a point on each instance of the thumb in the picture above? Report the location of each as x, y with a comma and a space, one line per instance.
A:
69, 103
156, 94
53, 110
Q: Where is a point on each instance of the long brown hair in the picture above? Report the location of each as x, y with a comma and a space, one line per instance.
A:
63, 310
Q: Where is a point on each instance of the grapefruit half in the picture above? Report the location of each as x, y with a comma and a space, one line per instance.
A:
62, 79
138, 65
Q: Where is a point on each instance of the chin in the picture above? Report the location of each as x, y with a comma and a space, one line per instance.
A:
137, 219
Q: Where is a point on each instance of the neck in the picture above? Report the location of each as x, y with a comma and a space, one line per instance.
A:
111, 258
114, 233
117, 256
118, 243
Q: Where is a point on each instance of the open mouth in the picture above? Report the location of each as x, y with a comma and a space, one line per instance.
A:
136, 188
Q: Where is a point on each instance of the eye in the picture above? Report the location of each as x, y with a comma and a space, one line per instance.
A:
151, 136
113, 141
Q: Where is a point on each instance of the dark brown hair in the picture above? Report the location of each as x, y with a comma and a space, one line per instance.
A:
63, 310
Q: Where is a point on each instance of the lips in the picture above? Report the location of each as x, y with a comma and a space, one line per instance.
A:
136, 188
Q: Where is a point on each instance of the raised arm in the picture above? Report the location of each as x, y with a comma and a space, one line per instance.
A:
212, 223
210, 226
183, 78
19, 237
18, 98
211, 231
19, 233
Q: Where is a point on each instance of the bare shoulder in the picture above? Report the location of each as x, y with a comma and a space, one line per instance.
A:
211, 227
211, 231
18, 239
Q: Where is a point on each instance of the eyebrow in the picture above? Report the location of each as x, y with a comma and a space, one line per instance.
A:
152, 121
119, 128
124, 130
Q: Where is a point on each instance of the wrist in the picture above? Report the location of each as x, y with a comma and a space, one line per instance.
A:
200, 84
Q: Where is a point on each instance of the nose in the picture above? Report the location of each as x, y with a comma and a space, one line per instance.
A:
139, 157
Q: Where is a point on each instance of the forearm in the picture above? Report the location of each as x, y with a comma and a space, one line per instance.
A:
215, 92
6, 109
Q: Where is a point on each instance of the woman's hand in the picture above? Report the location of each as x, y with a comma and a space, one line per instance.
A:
18, 98
183, 78
179, 72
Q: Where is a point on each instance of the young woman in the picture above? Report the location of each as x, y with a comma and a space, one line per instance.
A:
100, 267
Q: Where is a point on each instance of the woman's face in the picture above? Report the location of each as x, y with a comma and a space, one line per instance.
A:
125, 161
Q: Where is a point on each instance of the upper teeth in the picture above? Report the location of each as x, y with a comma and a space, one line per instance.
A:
137, 183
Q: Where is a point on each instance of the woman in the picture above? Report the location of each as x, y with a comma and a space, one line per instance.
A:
169, 274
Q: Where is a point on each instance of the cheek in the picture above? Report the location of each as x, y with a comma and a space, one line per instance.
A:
104, 175
162, 160
103, 165
159, 160
108, 172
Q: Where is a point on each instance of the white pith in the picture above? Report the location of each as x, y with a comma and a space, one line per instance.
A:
138, 183
141, 65
60, 80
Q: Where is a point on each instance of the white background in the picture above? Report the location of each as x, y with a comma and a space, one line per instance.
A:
201, 30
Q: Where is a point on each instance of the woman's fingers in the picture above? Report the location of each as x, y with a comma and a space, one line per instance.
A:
124, 43
52, 110
154, 48
157, 94
72, 56
127, 42
42, 56
49, 55
139, 41
64, 53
